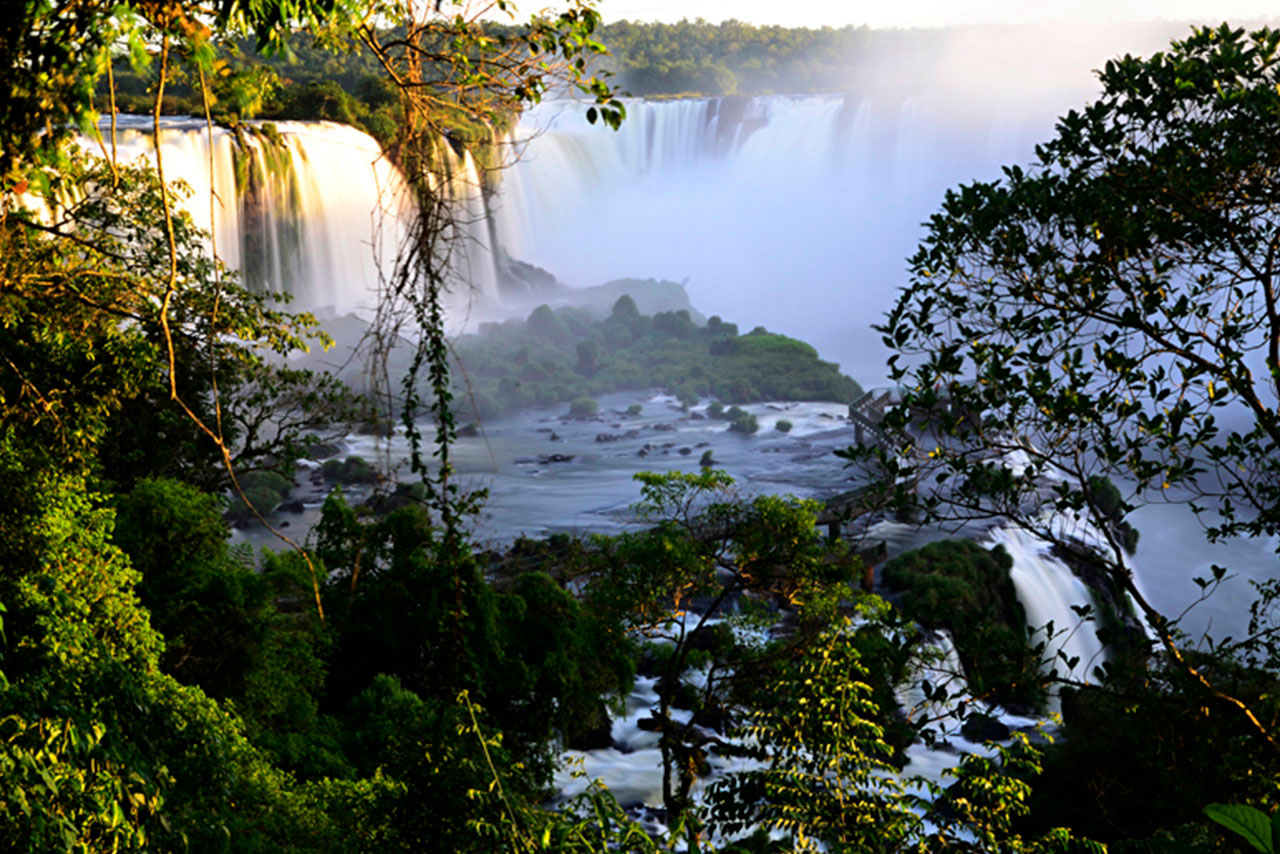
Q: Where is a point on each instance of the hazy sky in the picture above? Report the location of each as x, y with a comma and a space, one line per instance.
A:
927, 13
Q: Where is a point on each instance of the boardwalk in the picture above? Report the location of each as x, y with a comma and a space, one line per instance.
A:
867, 412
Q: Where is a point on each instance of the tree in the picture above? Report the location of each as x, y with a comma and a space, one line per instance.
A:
828, 775
1112, 312
708, 550
108, 300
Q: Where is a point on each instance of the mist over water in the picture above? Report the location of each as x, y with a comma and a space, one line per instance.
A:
797, 212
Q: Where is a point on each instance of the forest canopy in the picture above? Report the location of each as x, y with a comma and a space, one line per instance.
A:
386, 685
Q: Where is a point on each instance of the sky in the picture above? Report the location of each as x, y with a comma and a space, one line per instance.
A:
935, 13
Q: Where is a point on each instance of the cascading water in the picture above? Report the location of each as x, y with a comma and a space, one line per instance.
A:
1048, 590
791, 212
314, 210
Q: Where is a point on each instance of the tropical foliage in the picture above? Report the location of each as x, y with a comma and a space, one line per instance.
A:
1100, 331
558, 356
391, 687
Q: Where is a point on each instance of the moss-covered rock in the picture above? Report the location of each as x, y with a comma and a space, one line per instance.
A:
959, 586
351, 470
265, 490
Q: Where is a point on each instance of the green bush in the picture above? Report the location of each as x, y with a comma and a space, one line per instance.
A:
1106, 497
783, 426
265, 491
318, 99
959, 586
588, 358
583, 407
546, 324
744, 423
266, 480
687, 395
351, 470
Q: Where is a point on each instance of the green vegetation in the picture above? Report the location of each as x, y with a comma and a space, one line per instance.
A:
697, 57
1143, 715
390, 688
768, 548
742, 422
782, 426
583, 407
350, 470
1109, 506
733, 57
311, 82
958, 586
566, 355
1115, 304
306, 82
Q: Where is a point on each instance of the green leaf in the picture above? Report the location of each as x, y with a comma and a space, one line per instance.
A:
1246, 821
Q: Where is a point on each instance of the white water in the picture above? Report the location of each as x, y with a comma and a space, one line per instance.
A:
323, 221
1048, 589
796, 214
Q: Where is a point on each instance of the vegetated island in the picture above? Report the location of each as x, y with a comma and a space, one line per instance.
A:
574, 353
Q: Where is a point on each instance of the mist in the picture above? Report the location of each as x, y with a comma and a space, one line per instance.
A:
798, 213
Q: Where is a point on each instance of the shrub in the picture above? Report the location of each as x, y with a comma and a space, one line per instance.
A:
357, 470
744, 423
266, 480
319, 99
634, 409
687, 395
740, 391
264, 500
264, 489
783, 426
583, 407
625, 308
352, 470
588, 358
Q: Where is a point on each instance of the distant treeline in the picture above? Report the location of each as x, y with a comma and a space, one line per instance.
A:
698, 57
647, 59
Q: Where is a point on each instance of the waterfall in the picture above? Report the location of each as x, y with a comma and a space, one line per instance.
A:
1048, 589
314, 210
816, 197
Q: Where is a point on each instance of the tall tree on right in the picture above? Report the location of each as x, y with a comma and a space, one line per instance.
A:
1112, 312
